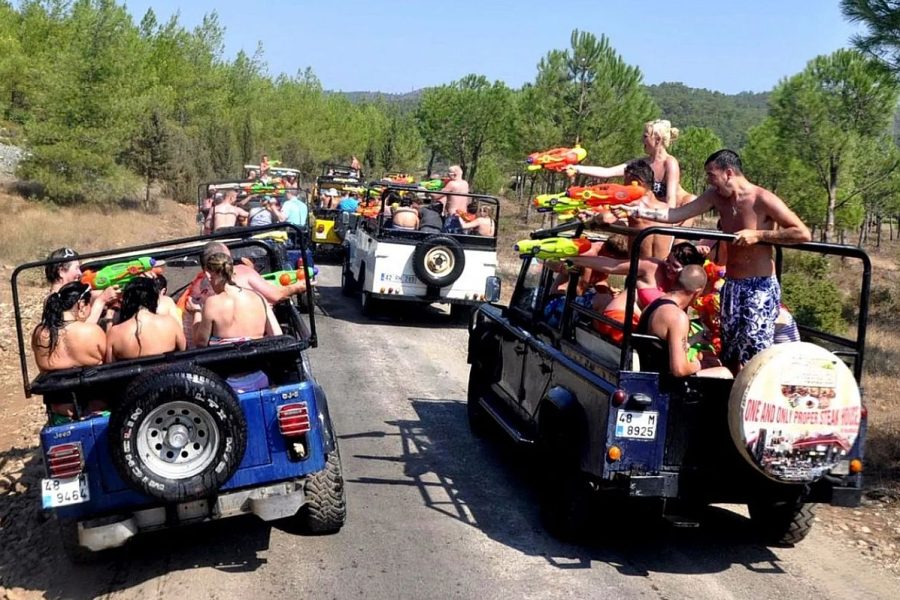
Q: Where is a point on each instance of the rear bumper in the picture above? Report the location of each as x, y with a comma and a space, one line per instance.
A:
269, 503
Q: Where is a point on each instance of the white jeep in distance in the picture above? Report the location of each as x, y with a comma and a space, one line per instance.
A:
384, 262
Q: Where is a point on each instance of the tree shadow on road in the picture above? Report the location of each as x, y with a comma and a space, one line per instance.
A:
32, 558
490, 486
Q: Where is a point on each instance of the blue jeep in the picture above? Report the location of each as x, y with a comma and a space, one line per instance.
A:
787, 433
190, 436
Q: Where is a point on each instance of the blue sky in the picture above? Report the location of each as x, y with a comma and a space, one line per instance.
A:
397, 46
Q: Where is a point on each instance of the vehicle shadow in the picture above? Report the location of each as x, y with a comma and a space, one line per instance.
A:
490, 486
396, 313
32, 558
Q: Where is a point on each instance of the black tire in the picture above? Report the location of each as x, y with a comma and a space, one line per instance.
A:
479, 419
438, 260
567, 500
566, 504
782, 523
348, 281
204, 447
368, 304
326, 500
461, 313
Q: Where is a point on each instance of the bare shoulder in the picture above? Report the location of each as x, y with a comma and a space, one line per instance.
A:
88, 331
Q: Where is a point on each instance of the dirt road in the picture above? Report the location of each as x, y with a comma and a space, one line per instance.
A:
433, 513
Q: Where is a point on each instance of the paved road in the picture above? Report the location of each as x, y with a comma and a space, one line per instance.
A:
435, 513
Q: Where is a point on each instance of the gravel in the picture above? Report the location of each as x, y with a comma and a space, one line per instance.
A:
9, 158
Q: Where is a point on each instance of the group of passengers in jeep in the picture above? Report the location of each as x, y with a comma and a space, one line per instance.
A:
671, 276
225, 303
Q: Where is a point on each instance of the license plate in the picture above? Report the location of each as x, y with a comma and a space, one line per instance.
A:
636, 425
63, 492
321, 235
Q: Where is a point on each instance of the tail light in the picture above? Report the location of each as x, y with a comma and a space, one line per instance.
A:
64, 461
293, 419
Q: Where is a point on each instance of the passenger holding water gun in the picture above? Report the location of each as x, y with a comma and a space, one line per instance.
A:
60, 274
654, 246
666, 183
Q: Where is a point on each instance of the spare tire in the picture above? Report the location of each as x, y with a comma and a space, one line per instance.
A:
438, 260
795, 412
179, 433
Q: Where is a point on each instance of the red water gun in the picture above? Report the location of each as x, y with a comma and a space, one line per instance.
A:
556, 159
607, 194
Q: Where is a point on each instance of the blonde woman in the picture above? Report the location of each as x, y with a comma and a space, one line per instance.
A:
658, 135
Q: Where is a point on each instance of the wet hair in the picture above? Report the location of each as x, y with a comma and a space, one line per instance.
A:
663, 129
51, 272
725, 159
220, 264
390, 197
617, 245
639, 170
160, 282
405, 201
212, 248
59, 302
139, 293
687, 254
692, 278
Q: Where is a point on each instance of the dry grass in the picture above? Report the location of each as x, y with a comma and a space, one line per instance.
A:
32, 230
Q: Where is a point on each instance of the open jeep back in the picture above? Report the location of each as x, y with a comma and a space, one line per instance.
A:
187, 436
326, 226
388, 263
787, 433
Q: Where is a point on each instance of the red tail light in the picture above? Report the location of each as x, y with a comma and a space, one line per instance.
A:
64, 461
293, 419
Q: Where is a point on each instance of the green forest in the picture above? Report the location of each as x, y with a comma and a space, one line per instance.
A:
107, 107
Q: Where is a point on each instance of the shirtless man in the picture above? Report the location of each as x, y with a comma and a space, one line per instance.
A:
64, 339
453, 203
405, 216
233, 313
141, 331
666, 319
224, 213
751, 294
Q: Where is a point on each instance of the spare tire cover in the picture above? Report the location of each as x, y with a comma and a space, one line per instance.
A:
794, 412
178, 433
438, 260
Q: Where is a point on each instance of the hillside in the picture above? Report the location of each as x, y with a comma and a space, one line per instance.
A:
729, 115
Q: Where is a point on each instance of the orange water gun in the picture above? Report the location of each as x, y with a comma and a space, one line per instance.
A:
466, 215
555, 159
607, 194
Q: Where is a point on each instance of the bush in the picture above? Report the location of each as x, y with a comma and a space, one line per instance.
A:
814, 301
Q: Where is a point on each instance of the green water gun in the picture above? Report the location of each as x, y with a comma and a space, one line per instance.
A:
553, 248
121, 273
285, 278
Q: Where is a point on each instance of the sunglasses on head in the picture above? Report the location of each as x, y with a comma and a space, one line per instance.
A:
67, 253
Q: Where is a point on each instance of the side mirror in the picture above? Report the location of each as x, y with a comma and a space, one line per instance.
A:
492, 289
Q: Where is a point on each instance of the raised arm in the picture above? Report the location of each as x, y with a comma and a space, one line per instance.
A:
670, 215
203, 323
602, 172
673, 182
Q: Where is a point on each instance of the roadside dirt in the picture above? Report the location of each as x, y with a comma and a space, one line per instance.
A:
872, 531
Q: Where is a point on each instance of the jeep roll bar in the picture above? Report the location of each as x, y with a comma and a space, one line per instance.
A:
241, 237
855, 348
385, 187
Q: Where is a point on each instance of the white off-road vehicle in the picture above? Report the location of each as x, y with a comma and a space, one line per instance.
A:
384, 262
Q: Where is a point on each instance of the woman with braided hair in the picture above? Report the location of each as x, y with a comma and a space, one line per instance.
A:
234, 313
